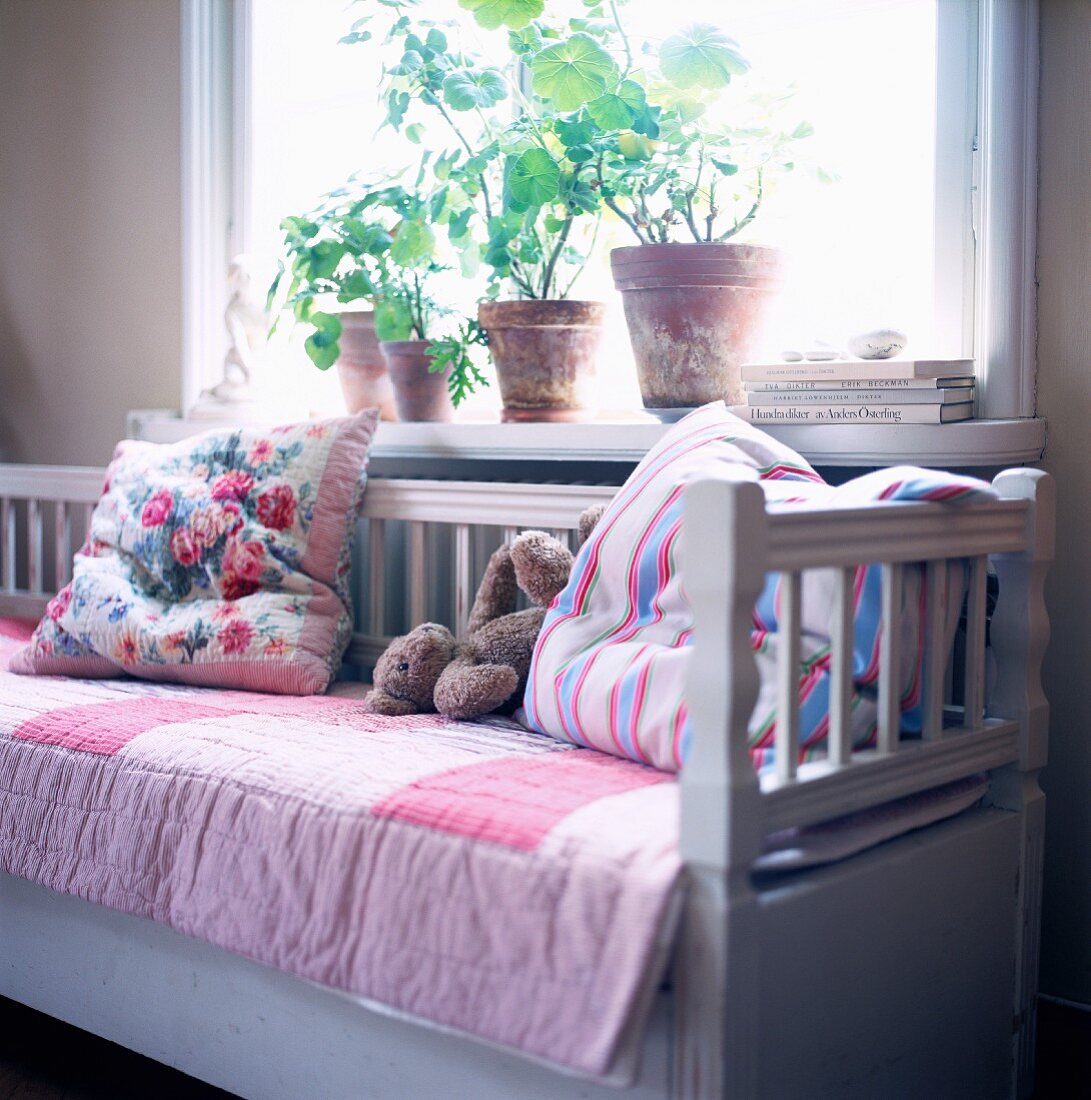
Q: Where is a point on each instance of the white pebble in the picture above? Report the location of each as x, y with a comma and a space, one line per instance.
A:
822, 353
791, 356
880, 343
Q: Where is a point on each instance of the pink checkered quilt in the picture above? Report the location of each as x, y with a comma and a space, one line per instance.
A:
474, 875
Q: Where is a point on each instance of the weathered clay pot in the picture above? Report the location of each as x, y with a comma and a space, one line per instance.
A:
545, 356
361, 367
418, 394
694, 312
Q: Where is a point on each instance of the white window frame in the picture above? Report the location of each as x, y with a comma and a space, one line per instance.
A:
985, 220
215, 178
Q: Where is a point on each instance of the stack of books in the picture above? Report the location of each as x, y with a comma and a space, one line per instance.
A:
859, 391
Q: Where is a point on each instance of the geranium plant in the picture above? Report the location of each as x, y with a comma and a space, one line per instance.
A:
640, 121
516, 201
374, 244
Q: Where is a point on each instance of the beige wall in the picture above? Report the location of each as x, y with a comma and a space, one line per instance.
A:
90, 315
1064, 397
90, 278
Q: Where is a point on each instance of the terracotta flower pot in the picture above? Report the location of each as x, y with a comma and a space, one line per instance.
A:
545, 356
418, 394
694, 312
361, 367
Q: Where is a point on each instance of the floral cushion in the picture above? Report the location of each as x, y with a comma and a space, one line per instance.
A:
222, 560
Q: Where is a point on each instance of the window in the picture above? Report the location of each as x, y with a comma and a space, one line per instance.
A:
929, 225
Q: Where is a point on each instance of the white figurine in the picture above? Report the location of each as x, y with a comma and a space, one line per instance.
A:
247, 328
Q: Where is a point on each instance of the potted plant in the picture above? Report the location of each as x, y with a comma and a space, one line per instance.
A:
385, 251
640, 122
329, 260
519, 203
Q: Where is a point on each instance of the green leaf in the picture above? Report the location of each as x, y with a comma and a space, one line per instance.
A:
322, 344
414, 244
355, 286
725, 166
393, 320
648, 122
689, 110
436, 40
410, 63
469, 262
324, 258
803, 130
573, 72
299, 227
574, 133
534, 177
498, 256
460, 224
527, 40
618, 110
414, 132
491, 14
474, 88
701, 57
397, 103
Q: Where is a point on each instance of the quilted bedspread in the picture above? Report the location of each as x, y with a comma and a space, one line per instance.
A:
477, 876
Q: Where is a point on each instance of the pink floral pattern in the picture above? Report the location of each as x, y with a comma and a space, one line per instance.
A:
158, 509
276, 507
201, 551
233, 485
236, 636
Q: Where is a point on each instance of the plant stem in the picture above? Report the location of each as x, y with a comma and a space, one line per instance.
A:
691, 220
551, 264
558, 248
590, 253
520, 280
644, 213
416, 308
624, 39
469, 149
524, 109
612, 205
748, 218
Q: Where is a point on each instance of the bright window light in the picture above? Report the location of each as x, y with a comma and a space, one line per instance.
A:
861, 249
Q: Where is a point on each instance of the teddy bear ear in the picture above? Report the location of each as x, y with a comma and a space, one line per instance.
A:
542, 565
431, 639
589, 519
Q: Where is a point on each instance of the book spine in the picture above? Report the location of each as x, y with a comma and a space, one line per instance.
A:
883, 396
840, 385
835, 370
839, 413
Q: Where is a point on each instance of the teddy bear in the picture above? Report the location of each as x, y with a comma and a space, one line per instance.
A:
429, 670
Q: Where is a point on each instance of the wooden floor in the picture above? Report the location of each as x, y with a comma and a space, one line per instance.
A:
43, 1059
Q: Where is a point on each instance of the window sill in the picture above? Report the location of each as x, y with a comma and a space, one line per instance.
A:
968, 444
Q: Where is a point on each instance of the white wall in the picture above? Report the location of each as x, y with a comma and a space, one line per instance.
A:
90, 278
1064, 396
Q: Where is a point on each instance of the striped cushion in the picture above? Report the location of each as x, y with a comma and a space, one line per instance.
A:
610, 664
